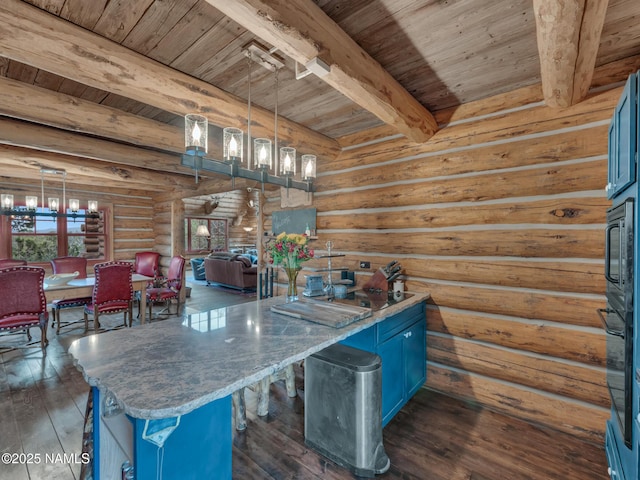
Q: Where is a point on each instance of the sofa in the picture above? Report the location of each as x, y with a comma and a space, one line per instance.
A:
230, 270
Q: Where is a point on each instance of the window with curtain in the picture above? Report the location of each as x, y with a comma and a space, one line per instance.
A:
40, 239
217, 240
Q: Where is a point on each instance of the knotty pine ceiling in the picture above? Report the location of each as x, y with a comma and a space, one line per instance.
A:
444, 53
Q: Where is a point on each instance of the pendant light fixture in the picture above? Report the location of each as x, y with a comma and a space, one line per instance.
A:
53, 205
271, 164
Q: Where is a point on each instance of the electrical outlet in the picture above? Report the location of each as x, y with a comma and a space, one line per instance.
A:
365, 264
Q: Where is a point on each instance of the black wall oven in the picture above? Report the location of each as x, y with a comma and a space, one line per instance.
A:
617, 318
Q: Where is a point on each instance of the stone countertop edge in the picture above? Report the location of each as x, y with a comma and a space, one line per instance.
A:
184, 403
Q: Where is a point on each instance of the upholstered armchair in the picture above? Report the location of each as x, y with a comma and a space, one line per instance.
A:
68, 265
23, 302
112, 293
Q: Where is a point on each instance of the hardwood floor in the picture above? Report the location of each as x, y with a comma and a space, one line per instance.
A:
435, 437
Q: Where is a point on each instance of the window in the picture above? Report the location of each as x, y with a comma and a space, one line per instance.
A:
217, 241
40, 239
207, 321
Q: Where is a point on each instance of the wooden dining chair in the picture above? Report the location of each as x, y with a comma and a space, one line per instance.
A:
68, 265
172, 287
23, 304
112, 293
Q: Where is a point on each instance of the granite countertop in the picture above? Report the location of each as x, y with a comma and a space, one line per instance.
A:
169, 368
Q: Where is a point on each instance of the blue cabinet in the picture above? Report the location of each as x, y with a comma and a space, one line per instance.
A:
636, 436
623, 139
164, 448
401, 342
613, 459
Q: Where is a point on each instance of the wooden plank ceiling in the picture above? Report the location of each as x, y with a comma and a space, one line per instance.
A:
116, 89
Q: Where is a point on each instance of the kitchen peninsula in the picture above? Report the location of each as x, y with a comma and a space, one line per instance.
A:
162, 391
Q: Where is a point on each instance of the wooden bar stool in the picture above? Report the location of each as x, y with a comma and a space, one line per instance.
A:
262, 389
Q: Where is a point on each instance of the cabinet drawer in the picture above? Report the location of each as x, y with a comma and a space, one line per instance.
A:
364, 340
395, 324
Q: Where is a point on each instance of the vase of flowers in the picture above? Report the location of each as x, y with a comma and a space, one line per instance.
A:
290, 250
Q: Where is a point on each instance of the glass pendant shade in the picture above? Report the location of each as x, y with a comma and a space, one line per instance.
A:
287, 161
7, 201
32, 202
54, 204
265, 161
232, 144
57, 208
195, 134
262, 153
74, 205
308, 167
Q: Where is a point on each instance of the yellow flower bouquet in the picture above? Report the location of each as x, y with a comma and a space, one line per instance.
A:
289, 250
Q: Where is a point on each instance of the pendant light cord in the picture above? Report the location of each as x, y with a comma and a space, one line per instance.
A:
249, 146
275, 133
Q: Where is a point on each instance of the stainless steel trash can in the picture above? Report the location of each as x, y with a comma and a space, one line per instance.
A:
343, 408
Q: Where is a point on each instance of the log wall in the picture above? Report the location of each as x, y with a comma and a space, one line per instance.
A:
132, 212
232, 206
140, 222
500, 217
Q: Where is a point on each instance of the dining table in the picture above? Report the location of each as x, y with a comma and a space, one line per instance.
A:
83, 287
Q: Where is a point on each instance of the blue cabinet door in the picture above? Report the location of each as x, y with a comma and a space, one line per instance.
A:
401, 343
623, 139
612, 160
199, 447
393, 392
415, 347
611, 450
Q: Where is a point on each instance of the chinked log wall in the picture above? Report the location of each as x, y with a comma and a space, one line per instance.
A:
132, 212
133, 229
500, 217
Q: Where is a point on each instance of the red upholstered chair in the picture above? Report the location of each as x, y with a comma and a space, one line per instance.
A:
112, 293
173, 286
11, 262
68, 265
23, 302
147, 263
